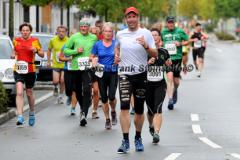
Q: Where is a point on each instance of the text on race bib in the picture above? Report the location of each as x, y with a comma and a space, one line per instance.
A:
21, 67
171, 47
155, 73
83, 63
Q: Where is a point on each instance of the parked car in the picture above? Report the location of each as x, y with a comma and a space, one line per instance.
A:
6, 67
43, 73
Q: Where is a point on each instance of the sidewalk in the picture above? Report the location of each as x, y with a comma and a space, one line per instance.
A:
40, 96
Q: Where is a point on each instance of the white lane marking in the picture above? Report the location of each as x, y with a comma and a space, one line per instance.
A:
235, 155
196, 129
209, 142
39, 100
219, 50
194, 117
173, 156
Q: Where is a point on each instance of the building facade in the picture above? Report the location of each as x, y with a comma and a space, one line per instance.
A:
47, 18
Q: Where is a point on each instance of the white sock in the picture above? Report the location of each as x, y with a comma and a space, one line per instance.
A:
31, 113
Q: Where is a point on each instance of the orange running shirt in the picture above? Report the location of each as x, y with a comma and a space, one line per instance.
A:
24, 54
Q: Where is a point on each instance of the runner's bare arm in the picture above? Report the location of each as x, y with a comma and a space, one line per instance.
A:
40, 53
151, 51
117, 55
13, 54
63, 58
94, 59
91, 57
185, 43
49, 56
205, 36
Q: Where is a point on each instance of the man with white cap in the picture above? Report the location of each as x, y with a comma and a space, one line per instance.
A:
79, 46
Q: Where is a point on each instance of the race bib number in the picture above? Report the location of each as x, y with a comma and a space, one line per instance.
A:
172, 49
99, 71
198, 44
21, 67
83, 63
154, 74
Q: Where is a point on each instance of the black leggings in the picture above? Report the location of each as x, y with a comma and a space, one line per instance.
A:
155, 96
136, 85
69, 82
83, 89
108, 86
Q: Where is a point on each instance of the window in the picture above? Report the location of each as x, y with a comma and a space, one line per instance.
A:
5, 49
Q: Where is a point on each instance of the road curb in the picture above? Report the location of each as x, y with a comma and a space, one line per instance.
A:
12, 112
7, 116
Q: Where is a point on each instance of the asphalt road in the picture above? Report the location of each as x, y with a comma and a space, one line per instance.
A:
203, 126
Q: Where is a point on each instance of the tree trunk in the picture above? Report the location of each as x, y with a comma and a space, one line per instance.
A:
68, 19
26, 17
61, 10
106, 14
37, 18
11, 19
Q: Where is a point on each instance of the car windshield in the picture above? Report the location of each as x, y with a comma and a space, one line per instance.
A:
44, 40
5, 49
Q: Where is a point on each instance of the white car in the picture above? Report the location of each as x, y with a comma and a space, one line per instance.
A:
6, 66
44, 73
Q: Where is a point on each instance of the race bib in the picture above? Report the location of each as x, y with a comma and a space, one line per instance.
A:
21, 67
171, 47
57, 57
99, 71
184, 49
69, 65
44, 63
83, 63
154, 74
198, 44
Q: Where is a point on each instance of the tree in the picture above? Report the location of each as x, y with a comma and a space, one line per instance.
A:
207, 9
188, 8
109, 9
227, 8
113, 10
11, 18
3, 98
34, 2
154, 9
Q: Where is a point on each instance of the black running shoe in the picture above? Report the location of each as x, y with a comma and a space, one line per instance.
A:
151, 130
156, 138
83, 120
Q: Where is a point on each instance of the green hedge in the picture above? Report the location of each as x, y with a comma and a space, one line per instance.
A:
209, 28
224, 36
3, 99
